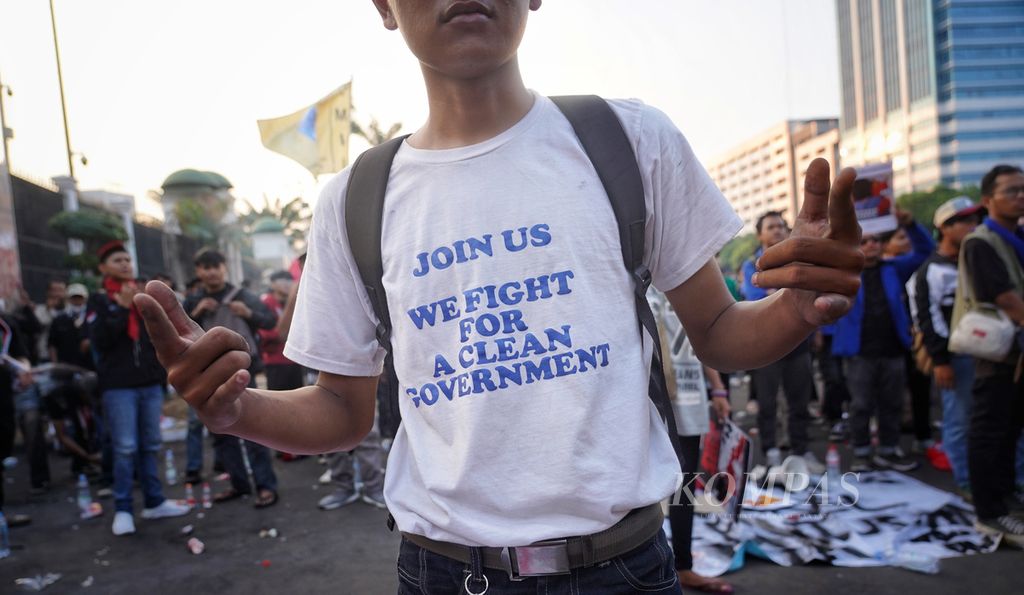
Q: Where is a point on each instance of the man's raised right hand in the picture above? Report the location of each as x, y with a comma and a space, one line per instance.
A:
208, 369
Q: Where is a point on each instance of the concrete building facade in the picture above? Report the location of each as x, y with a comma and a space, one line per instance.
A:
765, 172
934, 86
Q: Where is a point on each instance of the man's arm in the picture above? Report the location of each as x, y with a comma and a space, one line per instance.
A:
209, 370
262, 317
922, 247
818, 269
284, 322
928, 309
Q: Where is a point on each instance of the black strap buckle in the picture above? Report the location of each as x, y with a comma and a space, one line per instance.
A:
642, 279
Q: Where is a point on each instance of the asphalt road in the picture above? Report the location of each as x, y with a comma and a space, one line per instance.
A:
348, 550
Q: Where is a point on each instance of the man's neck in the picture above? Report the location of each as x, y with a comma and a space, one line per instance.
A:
948, 249
210, 289
468, 111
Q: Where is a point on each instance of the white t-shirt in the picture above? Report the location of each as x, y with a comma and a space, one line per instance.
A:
523, 376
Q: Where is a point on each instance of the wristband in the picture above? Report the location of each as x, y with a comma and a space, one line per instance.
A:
719, 392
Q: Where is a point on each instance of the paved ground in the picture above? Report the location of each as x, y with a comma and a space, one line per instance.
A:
349, 550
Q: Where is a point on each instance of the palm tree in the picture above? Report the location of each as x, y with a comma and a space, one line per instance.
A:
373, 133
293, 214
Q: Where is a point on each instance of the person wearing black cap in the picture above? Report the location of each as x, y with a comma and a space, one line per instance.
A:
131, 380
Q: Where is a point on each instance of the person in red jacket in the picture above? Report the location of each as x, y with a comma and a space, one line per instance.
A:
282, 373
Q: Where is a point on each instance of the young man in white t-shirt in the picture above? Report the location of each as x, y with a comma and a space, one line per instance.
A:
523, 376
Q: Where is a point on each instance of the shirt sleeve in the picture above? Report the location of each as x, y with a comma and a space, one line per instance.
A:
333, 329
688, 219
986, 270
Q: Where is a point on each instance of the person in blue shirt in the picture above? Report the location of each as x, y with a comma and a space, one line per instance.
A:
794, 372
873, 339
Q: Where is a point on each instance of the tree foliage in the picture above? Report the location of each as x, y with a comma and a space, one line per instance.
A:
294, 215
924, 203
93, 228
88, 225
373, 133
737, 251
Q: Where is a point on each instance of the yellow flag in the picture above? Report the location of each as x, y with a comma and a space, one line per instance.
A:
316, 136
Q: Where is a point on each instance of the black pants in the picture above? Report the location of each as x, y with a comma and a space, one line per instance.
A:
284, 376
920, 387
7, 424
996, 418
796, 375
876, 386
31, 424
836, 392
680, 516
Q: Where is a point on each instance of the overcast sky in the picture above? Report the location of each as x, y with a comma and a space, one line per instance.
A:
153, 87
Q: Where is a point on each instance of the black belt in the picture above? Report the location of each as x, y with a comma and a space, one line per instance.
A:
558, 556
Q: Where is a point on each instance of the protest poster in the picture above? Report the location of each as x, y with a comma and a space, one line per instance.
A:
873, 198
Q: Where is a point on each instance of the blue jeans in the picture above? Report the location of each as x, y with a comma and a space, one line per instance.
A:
647, 569
956, 413
133, 415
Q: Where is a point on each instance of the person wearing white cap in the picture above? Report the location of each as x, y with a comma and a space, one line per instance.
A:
931, 292
68, 341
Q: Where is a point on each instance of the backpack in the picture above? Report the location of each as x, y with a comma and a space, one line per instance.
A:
606, 144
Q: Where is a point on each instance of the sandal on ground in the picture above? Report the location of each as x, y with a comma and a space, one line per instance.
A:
265, 498
227, 495
691, 580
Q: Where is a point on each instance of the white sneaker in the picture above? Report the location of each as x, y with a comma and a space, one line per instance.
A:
814, 466
773, 457
325, 477
124, 524
168, 508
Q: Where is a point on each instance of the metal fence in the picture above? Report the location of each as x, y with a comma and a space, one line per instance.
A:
43, 252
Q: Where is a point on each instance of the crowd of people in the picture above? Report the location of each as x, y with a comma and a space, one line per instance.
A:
551, 473
84, 380
891, 354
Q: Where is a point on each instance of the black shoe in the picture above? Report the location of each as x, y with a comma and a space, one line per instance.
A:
18, 520
894, 461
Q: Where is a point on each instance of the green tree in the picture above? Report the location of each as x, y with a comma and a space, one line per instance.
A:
924, 203
737, 251
94, 228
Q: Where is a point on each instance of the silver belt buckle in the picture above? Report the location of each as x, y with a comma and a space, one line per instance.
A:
542, 559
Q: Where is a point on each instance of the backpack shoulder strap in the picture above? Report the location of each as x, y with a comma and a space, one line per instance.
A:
364, 213
606, 144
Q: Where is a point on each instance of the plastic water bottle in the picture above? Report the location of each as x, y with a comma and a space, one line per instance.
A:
207, 498
84, 497
5, 543
190, 496
171, 474
833, 473
911, 560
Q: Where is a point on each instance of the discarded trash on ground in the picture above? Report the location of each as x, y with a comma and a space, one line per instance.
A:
38, 582
195, 546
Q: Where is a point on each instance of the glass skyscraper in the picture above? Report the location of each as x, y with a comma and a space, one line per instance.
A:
935, 86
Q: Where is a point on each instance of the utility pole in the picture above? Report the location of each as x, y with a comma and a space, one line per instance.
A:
63, 102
